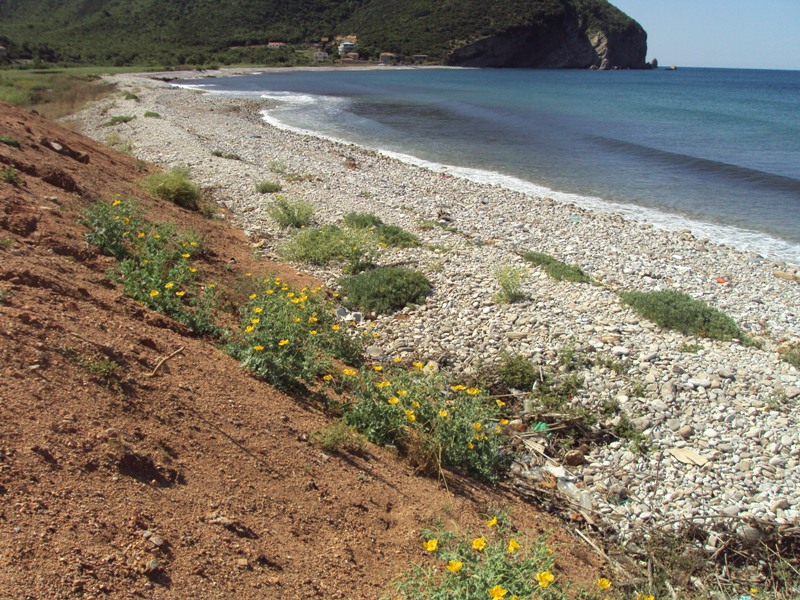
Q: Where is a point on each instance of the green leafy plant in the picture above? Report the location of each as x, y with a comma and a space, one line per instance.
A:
118, 143
9, 141
268, 187
288, 334
357, 220
328, 244
517, 371
338, 437
113, 226
673, 309
10, 175
385, 289
174, 186
511, 280
396, 237
118, 119
291, 213
152, 115
557, 269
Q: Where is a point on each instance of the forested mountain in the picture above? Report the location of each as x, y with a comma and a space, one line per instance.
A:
550, 33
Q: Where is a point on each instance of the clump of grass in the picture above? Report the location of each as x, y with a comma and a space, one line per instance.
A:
6, 242
131, 96
4, 295
152, 115
118, 119
557, 269
356, 220
10, 175
175, 186
385, 289
676, 310
277, 167
792, 356
517, 371
511, 280
291, 213
9, 141
118, 143
289, 334
396, 237
328, 244
497, 562
268, 187
338, 437
228, 155
435, 424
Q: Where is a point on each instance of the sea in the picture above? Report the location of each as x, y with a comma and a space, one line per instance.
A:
715, 151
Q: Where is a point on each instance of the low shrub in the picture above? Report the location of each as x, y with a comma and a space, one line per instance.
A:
175, 186
396, 237
433, 423
338, 437
291, 213
131, 96
118, 143
511, 279
385, 289
268, 187
228, 155
277, 167
113, 226
556, 269
328, 244
357, 220
792, 356
673, 309
118, 119
152, 115
9, 141
288, 334
10, 175
517, 371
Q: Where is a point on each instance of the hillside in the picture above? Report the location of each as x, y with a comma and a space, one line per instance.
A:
120, 478
541, 33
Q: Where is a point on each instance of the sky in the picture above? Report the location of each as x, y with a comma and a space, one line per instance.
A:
752, 34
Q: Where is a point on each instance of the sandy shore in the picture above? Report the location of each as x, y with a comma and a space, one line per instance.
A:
733, 405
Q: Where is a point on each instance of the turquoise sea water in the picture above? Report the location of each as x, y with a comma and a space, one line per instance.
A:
714, 150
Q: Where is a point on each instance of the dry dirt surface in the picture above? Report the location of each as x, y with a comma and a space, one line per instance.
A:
196, 481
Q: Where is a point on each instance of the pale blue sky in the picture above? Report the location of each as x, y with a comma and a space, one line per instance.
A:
761, 34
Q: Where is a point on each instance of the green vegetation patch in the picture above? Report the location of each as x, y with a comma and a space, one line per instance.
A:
10, 175
385, 289
676, 310
396, 237
356, 220
556, 269
291, 213
152, 115
792, 356
118, 119
268, 187
228, 155
511, 280
9, 141
517, 371
175, 186
329, 244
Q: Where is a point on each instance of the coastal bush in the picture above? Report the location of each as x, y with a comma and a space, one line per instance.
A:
113, 226
131, 96
676, 310
396, 237
9, 141
228, 155
291, 213
118, 119
792, 356
433, 423
517, 371
278, 167
289, 334
556, 269
175, 186
356, 220
497, 563
511, 279
268, 187
10, 175
329, 243
152, 115
385, 289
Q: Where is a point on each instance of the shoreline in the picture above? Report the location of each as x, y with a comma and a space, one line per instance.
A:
723, 392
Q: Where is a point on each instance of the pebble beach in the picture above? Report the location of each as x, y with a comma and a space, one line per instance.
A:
720, 418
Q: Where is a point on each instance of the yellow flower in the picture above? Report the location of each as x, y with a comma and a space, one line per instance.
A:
431, 545
491, 522
312, 332
443, 413
211, 286
193, 243
296, 320
545, 578
253, 296
417, 364
393, 400
349, 372
513, 546
249, 329
376, 335
140, 234
411, 416
479, 543
503, 421
328, 377
473, 391
169, 285
471, 446
116, 203
500, 403
402, 392
156, 236
497, 429
180, 294
335, 294
454, 566
378, 368
154, 293
258, 348
458, 388
283, 342
247, 274
415, 404
270, 292
255, 321
335, 327
192, 270
290, 295
382, 384
185, 255
603, 583
497, 592
397, 359
477, 426
295, 300
312, 320
258, 310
